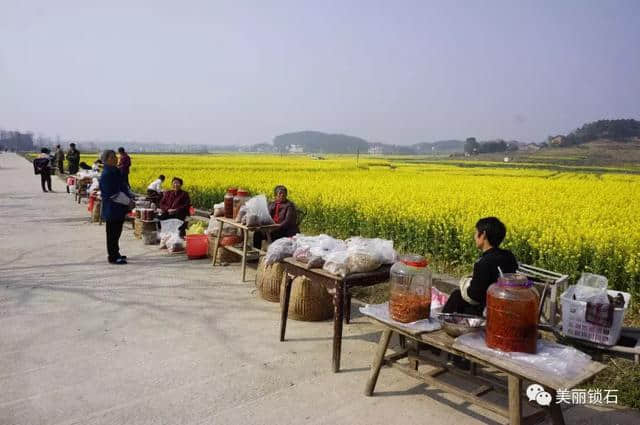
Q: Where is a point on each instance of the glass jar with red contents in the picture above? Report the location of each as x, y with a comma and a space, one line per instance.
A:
512, 314
228, 202
410, 289
241, 197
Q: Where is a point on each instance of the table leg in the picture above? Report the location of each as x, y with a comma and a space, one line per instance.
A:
244, 253
338, 309
515, 401
347, 306
217, 245
284, 312
378, 359
403, 341
555, 410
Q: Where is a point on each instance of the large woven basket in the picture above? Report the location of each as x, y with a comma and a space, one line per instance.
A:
309, 302
224, 256
95, 214
268, 280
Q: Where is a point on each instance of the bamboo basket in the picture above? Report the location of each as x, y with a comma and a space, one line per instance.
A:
224, 256
268, 280
309, 302
97, 209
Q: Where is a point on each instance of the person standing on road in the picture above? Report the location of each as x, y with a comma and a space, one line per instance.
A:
59, 157
124, 164
73, 159
117, 199
42, 166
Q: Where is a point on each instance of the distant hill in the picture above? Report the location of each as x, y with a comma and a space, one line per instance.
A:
316, 141
623, 130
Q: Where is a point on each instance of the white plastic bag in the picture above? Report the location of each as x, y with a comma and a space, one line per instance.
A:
258, 206
280, 249
336, 263
321, 245
218, 210
170, 227
175, 244
593, 281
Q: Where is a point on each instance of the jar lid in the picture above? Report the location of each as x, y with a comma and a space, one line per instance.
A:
232, 190
242, 192
514, 280
414, 260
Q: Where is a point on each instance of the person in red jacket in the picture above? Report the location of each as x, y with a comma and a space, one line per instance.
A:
284, 214
124, 165
175, 204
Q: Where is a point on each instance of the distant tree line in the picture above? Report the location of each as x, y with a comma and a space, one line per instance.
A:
16, 141
473, 147
622, 130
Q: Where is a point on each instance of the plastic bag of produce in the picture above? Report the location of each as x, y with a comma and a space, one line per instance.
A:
362, 261
302, 254
258, 206
380, 249
336, 263
280, 249
196, 228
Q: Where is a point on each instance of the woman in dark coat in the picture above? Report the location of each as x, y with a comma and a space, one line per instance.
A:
117, 199
284, 214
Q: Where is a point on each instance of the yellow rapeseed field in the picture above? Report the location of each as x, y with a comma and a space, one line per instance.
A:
568, 221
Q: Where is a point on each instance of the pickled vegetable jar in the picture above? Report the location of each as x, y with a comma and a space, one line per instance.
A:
410, 289
228, 202
512, 314
241, 197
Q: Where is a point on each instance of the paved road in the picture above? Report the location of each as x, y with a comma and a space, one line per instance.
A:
165, 340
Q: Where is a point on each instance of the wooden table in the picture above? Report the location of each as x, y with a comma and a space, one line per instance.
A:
515, 373
337, 286
245, 251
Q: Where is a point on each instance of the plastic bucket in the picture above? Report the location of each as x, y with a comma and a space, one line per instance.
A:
197, 246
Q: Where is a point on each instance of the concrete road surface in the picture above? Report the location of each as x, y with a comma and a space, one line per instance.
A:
165, 340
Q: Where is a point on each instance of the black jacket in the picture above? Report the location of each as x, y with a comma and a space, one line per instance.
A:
485, 272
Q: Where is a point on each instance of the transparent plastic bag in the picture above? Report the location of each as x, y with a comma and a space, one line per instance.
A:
280, 249
321, 245
336, 263
359, 261
593, 281
258, 206
380, 250
550, 358
170, 227
302, 254
175, 244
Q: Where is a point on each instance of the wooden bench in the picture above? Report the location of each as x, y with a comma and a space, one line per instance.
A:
483, 369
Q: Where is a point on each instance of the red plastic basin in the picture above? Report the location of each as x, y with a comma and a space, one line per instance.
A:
197, 246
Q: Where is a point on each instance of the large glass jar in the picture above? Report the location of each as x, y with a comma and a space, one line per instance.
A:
241, 197
512, 314
228, 202
410, 289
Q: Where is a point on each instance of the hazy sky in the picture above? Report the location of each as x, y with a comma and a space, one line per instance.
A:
224, 72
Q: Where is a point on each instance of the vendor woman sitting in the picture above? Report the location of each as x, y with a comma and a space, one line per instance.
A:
175, 203
471, 298
283, 212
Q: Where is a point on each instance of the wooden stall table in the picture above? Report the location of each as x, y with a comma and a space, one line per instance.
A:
516, 373
246, 250
337, 286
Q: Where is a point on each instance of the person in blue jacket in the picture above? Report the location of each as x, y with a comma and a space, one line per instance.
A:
117, 199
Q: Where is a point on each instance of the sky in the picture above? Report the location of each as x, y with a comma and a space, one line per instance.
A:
242, 72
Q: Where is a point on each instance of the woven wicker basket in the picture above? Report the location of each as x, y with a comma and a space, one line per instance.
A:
224, 256
309, 302
268, 280
137, 228
95, 214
